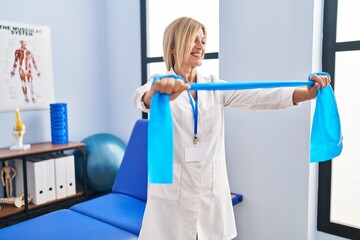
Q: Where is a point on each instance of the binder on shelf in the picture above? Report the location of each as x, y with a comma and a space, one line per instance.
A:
70, 175
60, 176
36, 180
49, 173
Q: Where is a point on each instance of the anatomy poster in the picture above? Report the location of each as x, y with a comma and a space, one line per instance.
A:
26, 74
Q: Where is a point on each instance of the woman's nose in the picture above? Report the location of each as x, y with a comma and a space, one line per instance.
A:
200, 45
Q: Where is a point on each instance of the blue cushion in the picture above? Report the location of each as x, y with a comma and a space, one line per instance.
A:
64, 225
132, 177
116, 209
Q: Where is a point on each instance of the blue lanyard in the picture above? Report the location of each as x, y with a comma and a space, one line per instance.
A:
195, 108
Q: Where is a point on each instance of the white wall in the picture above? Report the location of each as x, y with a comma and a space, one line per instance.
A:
123, 64
96, 57
267, 151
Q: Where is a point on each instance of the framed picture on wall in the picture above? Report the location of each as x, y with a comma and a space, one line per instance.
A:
26, 74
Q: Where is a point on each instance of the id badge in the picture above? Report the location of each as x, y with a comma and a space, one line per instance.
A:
196, 153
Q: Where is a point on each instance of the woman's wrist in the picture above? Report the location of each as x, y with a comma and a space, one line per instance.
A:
301, 95
146, 98
144, 101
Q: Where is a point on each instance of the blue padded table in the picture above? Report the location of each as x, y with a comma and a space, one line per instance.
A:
124, 207
118, 210
64, 225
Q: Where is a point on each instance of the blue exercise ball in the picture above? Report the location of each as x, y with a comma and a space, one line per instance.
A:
104, 154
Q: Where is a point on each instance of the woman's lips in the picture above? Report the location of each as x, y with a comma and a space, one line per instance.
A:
196, 54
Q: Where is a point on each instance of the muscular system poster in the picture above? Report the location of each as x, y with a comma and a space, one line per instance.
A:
26, 74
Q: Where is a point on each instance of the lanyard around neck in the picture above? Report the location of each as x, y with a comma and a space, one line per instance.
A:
193, 102
195, 108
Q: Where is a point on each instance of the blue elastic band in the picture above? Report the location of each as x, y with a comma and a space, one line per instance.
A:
160, 137
325, 142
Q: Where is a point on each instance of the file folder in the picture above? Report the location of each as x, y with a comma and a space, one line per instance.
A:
70, 175
60, 176
49, 173
36, 180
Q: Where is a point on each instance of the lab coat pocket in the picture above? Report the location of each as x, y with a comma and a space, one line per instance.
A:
220, 184
167, 191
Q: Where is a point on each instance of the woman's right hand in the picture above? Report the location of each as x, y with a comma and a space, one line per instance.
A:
168, 85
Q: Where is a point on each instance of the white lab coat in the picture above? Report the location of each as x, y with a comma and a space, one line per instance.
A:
199, 201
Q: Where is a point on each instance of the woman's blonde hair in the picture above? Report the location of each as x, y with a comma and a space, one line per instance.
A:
178, 37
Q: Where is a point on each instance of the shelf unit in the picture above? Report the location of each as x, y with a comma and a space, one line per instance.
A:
10, 214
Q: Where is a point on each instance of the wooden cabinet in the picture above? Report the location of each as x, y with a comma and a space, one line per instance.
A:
9, 213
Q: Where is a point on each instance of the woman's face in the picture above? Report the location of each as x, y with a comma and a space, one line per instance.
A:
197, 50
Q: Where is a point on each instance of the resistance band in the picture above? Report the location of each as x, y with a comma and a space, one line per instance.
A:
325, 140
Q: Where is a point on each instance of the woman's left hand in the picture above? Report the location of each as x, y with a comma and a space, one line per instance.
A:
320, 81
308, 93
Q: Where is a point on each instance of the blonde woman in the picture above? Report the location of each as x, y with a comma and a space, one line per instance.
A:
198, 204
